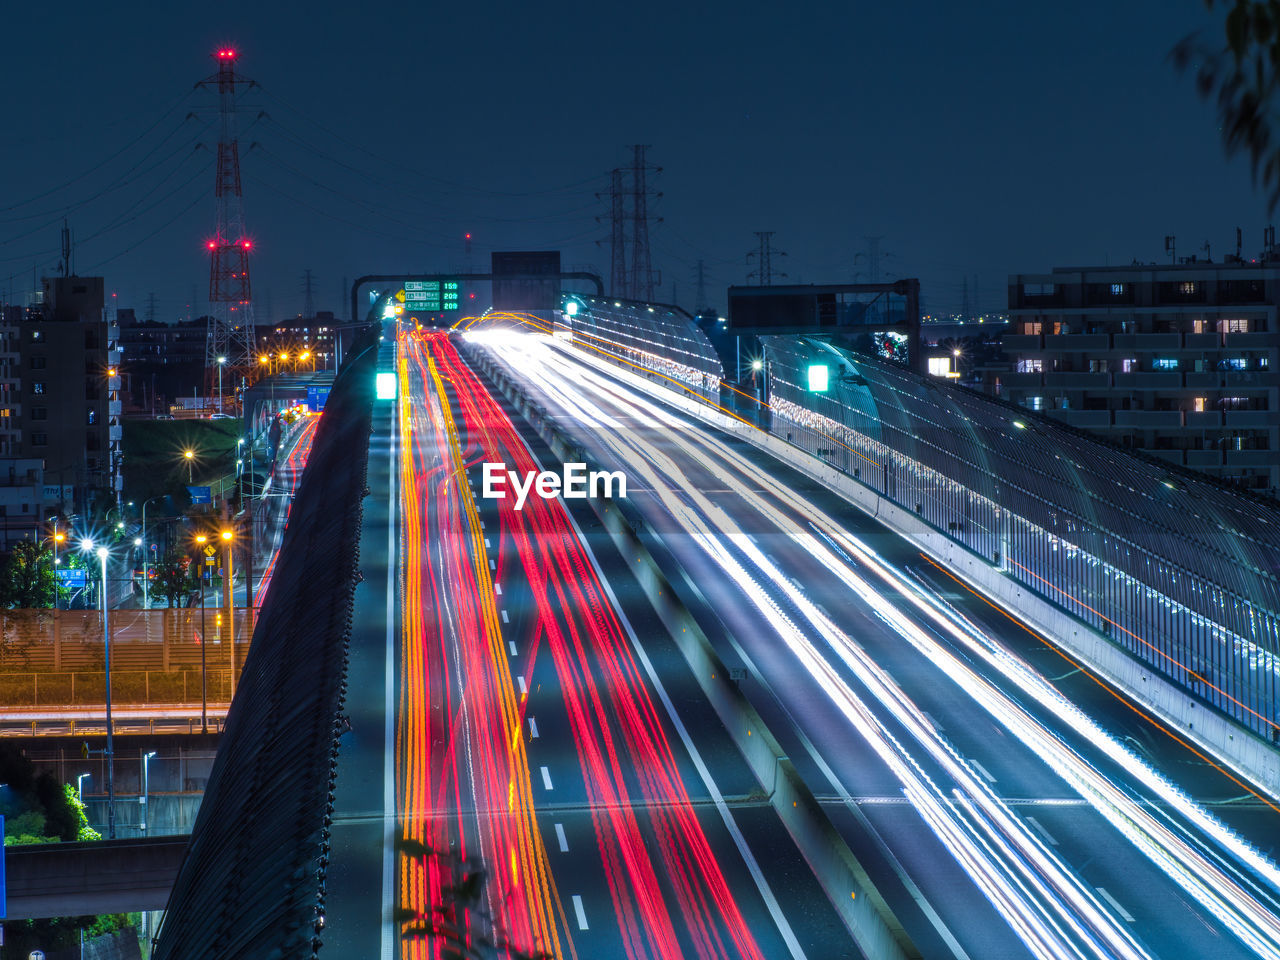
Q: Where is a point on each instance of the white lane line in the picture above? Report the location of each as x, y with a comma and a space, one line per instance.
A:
497, 588
511, 645
560, 838
739, 841
487, 543
492, 565
481, 524
1039, 828
1112, 900
533, 729
505, 618
577, 909
986, 775
524, 687
546, 778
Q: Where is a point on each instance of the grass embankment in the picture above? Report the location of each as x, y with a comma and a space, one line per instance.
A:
153, 462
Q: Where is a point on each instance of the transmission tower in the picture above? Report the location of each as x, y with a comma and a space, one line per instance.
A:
763, 255
618, 285
700, 301
230, 331
308, 302
643, 277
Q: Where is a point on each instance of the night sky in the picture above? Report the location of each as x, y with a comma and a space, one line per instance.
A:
976, 140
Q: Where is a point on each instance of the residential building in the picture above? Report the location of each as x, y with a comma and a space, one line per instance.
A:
70, 411
1181, 361
22, 498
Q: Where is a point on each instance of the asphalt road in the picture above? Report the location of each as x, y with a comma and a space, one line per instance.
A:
545, 794
1026, 830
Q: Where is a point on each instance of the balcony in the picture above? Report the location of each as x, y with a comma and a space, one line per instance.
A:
1253, 458
1015, 343
1078, 342
1250, 341
1203, 420
1201, 459
1149, 419
1173, 456
1202, 341
1083, 419
1250, 419
1206, 380
1021, 381
1147, 341
1152, 380
1078, 380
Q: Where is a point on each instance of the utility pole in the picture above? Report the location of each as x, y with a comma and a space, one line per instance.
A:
763, 256
230, 331
66, 267
151, 308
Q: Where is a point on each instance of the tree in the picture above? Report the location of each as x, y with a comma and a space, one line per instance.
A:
1241, 70
173, 579
26, 576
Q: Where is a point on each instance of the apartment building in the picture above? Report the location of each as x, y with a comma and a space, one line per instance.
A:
1181, 361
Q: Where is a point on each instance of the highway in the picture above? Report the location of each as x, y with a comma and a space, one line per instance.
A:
1008, 803
551, 798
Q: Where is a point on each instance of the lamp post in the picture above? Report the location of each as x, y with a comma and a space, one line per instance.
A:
80, 786
103, 553
146, 787
189, 455
146, 549
58, 538
228, 602
221, 363
204, 689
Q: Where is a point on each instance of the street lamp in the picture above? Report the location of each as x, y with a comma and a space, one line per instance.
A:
146, 787
204, 688
189, 455
58, 538
221, 362
80, 786
228, 602
103, 554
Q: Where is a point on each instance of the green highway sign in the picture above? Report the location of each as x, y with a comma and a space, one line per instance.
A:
432, 296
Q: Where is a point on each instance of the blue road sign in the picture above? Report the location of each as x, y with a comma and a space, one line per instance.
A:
316, 397
72, 578
201, 494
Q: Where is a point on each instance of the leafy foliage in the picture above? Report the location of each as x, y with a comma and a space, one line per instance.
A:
26, 576
1240, 69
173, 577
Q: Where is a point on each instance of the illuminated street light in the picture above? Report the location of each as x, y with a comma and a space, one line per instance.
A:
204, 686
103, 553
190, 456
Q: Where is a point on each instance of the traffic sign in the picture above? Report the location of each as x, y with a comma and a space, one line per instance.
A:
201, 494
210, 550
72, 578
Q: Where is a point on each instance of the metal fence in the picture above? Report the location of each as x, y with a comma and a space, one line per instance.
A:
1176, 569
252, 884
660, 340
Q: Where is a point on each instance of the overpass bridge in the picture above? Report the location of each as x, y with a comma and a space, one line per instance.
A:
850, 589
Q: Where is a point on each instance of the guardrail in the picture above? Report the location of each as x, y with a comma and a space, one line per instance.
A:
252, 883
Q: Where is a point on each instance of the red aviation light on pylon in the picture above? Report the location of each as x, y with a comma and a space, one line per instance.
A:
227, 54
245, 244
211, 244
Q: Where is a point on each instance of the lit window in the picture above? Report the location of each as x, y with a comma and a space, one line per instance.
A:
1233, 325
1187, 287
1031, 328
1164, 363
1235, 363
1117, 289
1128, 365
1030, 366
1199, 404
1035, 403
37, 387
940, 366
